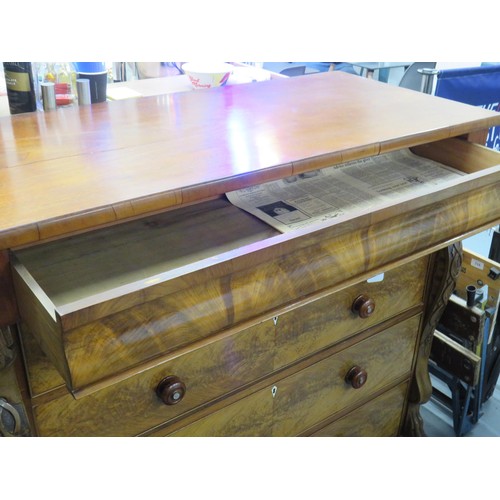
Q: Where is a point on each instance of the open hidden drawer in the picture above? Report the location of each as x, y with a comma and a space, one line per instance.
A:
104, 303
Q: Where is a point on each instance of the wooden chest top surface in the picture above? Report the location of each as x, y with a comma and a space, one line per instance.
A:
80, 168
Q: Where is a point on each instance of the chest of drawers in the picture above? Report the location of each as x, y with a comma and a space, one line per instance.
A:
260, 347
186, 316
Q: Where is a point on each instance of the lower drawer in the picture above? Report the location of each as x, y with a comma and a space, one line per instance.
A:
290, 406
223, 364
381, 417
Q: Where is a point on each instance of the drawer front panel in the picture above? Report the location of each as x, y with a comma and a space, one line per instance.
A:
331, 319
101, 333
144, 323
208, 371
132, 405
164, 325
187, 316
314, 325
298, 402
381, 417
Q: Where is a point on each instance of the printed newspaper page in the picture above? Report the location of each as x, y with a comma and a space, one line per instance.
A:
313, 197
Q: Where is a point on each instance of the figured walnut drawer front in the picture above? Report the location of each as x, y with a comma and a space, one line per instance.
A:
380, 417
102, 302
105, 302
307, 327
208, 370
135, 404
319, 323
300, 401
99, 304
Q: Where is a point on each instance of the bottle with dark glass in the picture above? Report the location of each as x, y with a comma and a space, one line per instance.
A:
20, 87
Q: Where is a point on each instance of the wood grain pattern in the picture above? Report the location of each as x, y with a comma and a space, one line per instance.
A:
58, 169
317, 392
314, 326
301, 328
207, 316
8, 305
237, 285
209, 369
381, 417
38, 314
459, 154
42, 375
220, 365
211, 372
441, 283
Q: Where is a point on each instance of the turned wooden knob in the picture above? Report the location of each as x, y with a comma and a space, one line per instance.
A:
363, 306
356, 377
171, 390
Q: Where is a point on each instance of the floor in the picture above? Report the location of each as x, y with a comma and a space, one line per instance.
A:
438, 420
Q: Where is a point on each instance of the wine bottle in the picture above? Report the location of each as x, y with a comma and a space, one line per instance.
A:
20, 87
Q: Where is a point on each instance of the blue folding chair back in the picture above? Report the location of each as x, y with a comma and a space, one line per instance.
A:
479, 86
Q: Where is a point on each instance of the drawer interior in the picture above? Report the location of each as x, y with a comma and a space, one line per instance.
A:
142, 252
91, 264
103, 302
461, 155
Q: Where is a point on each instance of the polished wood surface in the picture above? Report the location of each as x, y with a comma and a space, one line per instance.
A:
315, 393
193, 318
212, 373
243, 281
381, 417
296, 268
295, 331
8, 306
440, 285
83, 167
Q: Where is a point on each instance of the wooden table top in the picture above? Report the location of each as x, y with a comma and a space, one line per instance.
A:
78, 168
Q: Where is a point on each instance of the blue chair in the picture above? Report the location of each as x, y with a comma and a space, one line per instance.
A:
478, 86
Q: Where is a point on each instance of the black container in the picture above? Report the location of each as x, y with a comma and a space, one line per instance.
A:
20, 87
98, 83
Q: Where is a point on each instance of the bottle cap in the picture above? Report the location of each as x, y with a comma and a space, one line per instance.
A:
48, 95
83, 89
